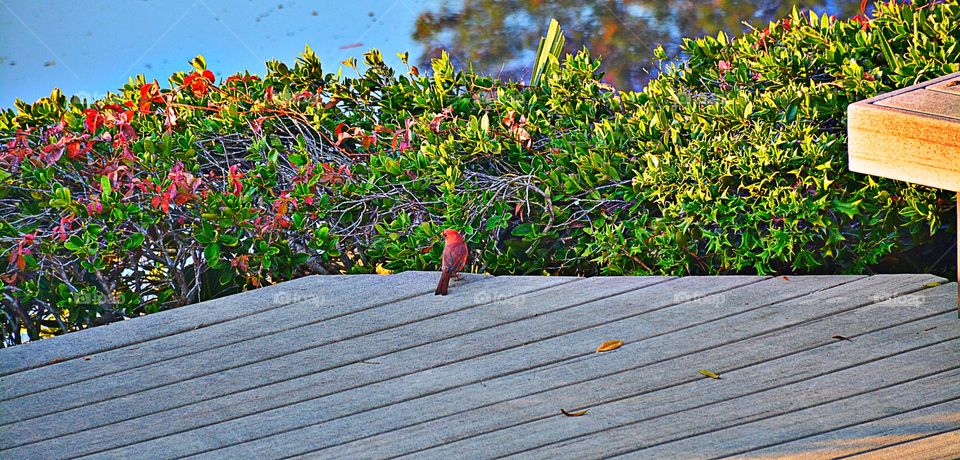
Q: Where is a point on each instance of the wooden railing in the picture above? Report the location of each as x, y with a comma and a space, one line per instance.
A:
912, 134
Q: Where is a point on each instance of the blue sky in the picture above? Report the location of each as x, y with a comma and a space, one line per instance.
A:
93, 46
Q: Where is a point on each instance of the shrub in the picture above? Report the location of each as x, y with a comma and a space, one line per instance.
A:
732, 161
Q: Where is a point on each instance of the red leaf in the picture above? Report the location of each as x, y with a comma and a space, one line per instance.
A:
209, 76
256, 125
92, 120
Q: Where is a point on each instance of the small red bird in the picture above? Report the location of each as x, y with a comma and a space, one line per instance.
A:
454, 259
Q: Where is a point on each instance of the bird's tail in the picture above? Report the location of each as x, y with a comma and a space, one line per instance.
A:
443, 284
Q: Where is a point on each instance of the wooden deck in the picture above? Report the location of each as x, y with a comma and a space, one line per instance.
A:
377, 366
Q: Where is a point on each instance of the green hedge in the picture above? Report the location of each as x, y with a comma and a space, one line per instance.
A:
732, 161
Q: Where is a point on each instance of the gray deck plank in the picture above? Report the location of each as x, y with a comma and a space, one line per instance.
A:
681, 411
427, 336
325, 302
864, 398
486, 369
536, 323
115, 335
502, 391
664, 361
939, 447
893, 432
290, 390
101, 415
211, 373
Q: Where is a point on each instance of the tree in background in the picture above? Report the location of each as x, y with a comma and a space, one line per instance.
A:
500, 37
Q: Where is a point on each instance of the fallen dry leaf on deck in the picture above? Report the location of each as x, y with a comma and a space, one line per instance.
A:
574, 414
610, 345
933, 284
709, 374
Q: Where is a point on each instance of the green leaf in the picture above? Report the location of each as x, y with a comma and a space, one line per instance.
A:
212, 253
134, 241
548, 52
199, 63
105, 186
522, 230
790, 114
225, 277
850, 208
887, 51
229, 240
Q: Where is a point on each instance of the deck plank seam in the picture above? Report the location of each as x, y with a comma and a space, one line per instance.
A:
569, 332
163, 360
85, 404
701, 323
694, 379
906, 441
348, 364
743, 339
172, 408
553, 363
129, 344
688, 381
862, 422
798, 409
861, 452
140, 342
494, 376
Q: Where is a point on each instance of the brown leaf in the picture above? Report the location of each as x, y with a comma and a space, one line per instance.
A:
610, 345
573, 414
709, 374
